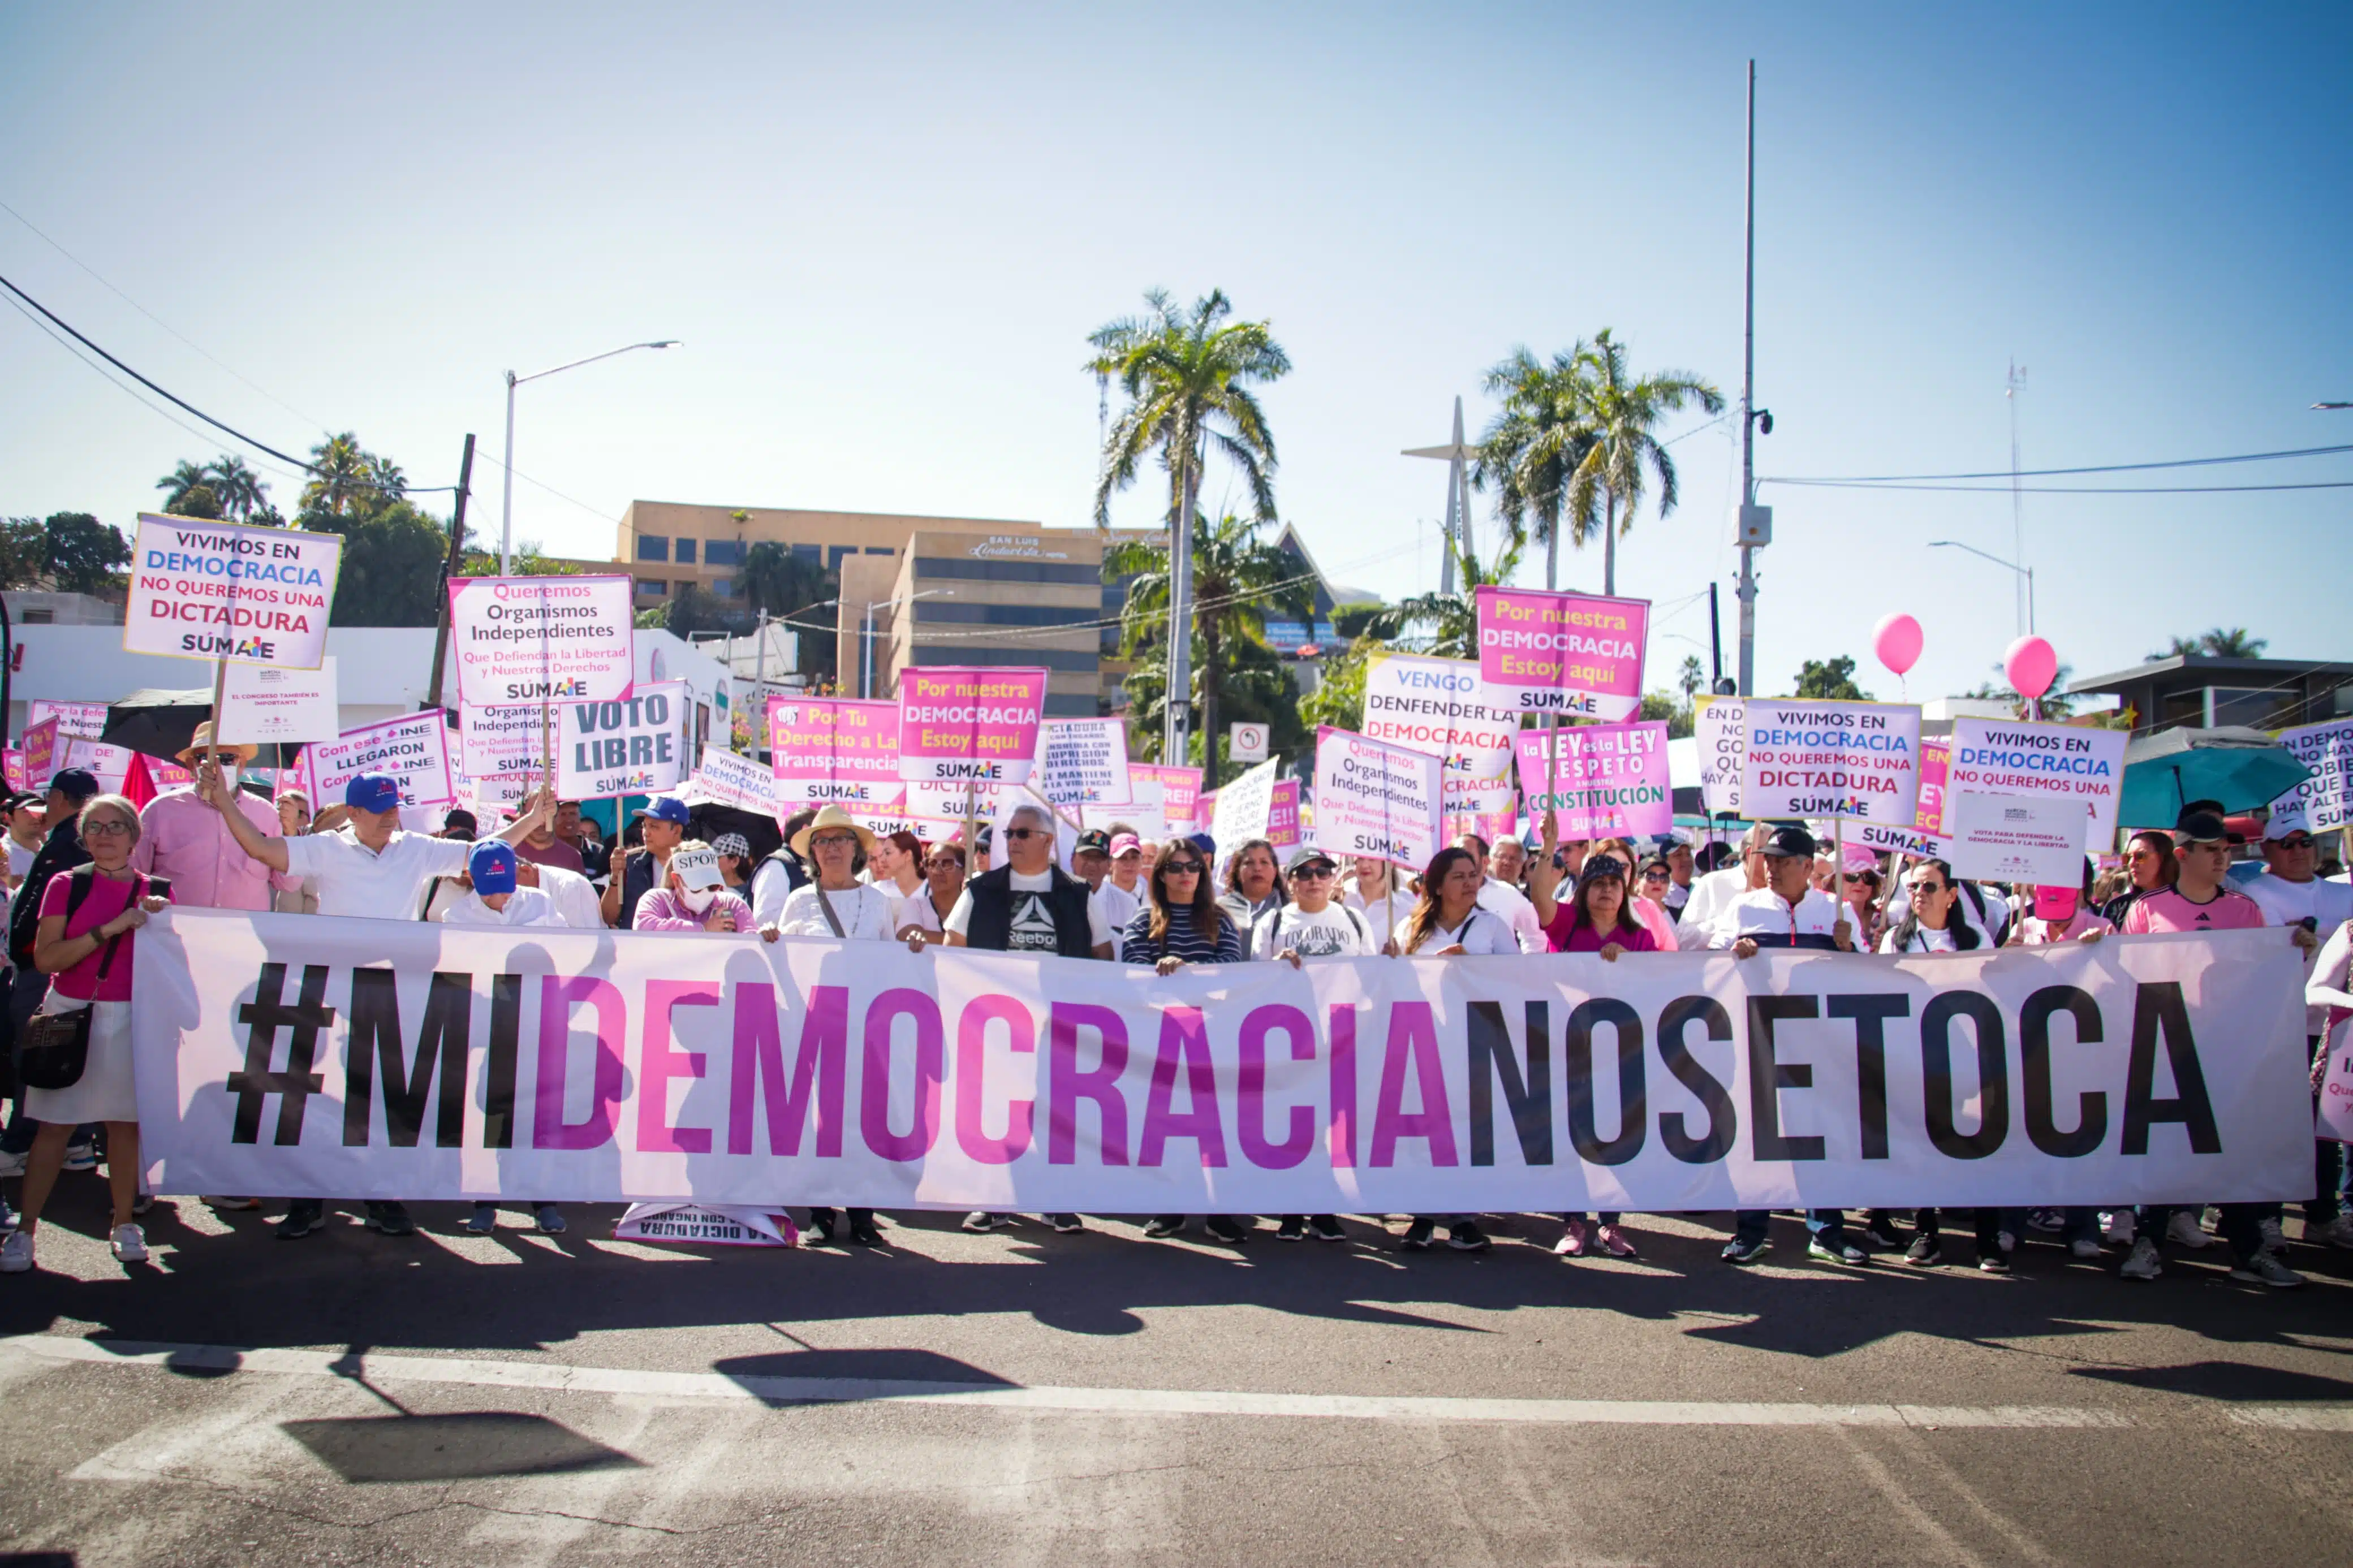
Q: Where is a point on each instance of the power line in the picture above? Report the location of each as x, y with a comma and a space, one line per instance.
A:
2066, 490
2052, 473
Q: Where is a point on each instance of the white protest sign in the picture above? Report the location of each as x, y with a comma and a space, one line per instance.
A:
236, 591
633, 745
1721, 727
1376, 799
706, 1224
536, 639
1147, 811
730, 780
86, 719
107, 763
2021, 838
262, 703
412, 750
2319, 801
1083, 761
2064, 761
1242, 808
1857, 760
1438, 705
496, 742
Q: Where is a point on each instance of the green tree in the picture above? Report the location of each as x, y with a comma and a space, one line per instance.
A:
349, 480
1254, 687
81, 554
530, 561
24, 551
797, 589
1446, 625
1237, 577
1831, 681
694, 608
391, 567
242, 494
1338, 699
1350, 621
1187, 377
1623, 412
1662, 707
1691, 679
2219, 643
1534, 444
198, 500
177, 485
2055, 703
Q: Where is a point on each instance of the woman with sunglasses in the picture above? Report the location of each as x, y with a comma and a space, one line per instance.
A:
1313, 926
1597, 918
1181, 922
1447, 922
926, 909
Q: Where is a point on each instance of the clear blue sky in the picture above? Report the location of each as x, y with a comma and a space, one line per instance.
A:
884, 237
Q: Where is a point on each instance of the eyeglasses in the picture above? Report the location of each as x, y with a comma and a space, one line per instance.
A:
1183, 867
835, 841
1921, 888
104, 825
1027, 833
2293, 843
1312, 873
944, 863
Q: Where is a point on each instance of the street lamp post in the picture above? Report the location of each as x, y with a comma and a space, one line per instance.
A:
866, 643
2025, 572
506, 508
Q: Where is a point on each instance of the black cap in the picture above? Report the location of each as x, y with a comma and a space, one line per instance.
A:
1094, 838
1790, 843
2199, 828
1600, 866
1308, 855
74, 784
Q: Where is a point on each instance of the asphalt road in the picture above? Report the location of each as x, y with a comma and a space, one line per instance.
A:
1028, 1397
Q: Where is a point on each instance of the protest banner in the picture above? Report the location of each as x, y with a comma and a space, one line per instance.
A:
1144, 810
412, 750
824, 749
404, 1059
2037, 840
1440, 705
265, 704
1376, 799
230, 591
1282, 815
1606, 780
2015, 757
635, 745
1180, 793
959, 725
524, 641
1857, 762
41, 749
699, 1225
1720, 726
107, 763
1927, 834
1083, 762
1578, 654
86, 719
1243, 806
948, 802
731, 780
499, 743
11, 763
2319, 802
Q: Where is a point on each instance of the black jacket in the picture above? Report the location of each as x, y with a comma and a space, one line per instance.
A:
991, 928
61, 851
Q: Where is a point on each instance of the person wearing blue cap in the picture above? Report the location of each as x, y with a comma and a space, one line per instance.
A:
367, 867
662, 823
498, 897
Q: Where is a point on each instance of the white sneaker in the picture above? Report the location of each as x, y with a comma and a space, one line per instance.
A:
2183, 1230
2117, 1227
2275, 1238
130, 1243
17, 1253
2143, 1263
2337, 1232
2263, 1268
2084, 1247
11, 1164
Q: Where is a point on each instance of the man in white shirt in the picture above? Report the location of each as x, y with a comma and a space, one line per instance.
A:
23, 814
496, 895
1500, 895
578, 904
370, 869
1028, 904
1712, 894
1119, 892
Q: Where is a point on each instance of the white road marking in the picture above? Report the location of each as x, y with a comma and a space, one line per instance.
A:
383, 1369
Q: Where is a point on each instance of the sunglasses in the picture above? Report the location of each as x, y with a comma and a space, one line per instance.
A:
2293, 842
1920, 888
1027, 833
1312, 873
1183, 867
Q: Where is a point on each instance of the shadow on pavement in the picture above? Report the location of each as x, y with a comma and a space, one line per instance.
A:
472, 1445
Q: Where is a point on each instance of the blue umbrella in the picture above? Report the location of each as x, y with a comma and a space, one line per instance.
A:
2241, 768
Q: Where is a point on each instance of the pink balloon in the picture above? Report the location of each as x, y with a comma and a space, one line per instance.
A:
2031, 665
1896, 640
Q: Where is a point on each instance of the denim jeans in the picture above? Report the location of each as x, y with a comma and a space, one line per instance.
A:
1987, 1224
1748, 1224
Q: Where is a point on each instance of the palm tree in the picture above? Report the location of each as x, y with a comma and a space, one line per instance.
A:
1622, 413
241, 491
1691, 678
1187, 378
177, 484
1446, 625
2234, 643
1237, 578
1529, 449
342, 480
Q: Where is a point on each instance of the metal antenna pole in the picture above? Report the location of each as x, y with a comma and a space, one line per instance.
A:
1747, 592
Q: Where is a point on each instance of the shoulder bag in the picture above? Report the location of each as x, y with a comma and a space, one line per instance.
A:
54, 1047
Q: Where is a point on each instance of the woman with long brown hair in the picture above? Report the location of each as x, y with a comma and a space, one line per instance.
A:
1447, 922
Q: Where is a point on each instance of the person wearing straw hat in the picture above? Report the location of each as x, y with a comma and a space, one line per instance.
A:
183, 840
837, 904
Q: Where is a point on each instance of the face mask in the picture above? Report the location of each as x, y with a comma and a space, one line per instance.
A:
698, 899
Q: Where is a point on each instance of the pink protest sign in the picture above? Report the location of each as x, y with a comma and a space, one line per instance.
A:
822, 748
41, 754
1282, 815
1606, 780
14, 759
1180, 796
1580, 654
1935, 762
969, 725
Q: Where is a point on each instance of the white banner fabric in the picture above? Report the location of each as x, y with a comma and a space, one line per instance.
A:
405, 1059
267, 702
2319, 801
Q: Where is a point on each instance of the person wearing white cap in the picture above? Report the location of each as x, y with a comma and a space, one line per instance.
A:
693, 896
1121, 893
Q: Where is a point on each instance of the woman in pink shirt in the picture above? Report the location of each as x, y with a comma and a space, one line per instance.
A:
1595, 918
694, 896
90, 917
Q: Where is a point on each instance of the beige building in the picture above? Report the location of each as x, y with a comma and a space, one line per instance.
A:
914, 590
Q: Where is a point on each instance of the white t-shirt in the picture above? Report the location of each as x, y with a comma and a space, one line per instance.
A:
573, 897
1484, 934
2328, 905
1033, 923
770, 884
20, 859
1384, 914
1924, 938
1712, 894
1333, 931
1517, 912
918, 910
867, 913
1118, 906
356, 880
524, 907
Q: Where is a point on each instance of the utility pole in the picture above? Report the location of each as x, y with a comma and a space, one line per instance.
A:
450, 570
1748, 420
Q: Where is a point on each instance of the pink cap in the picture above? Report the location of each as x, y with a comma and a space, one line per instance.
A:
2055, 904
1123, 843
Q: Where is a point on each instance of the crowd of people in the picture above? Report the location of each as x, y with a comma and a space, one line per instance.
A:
86, 868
